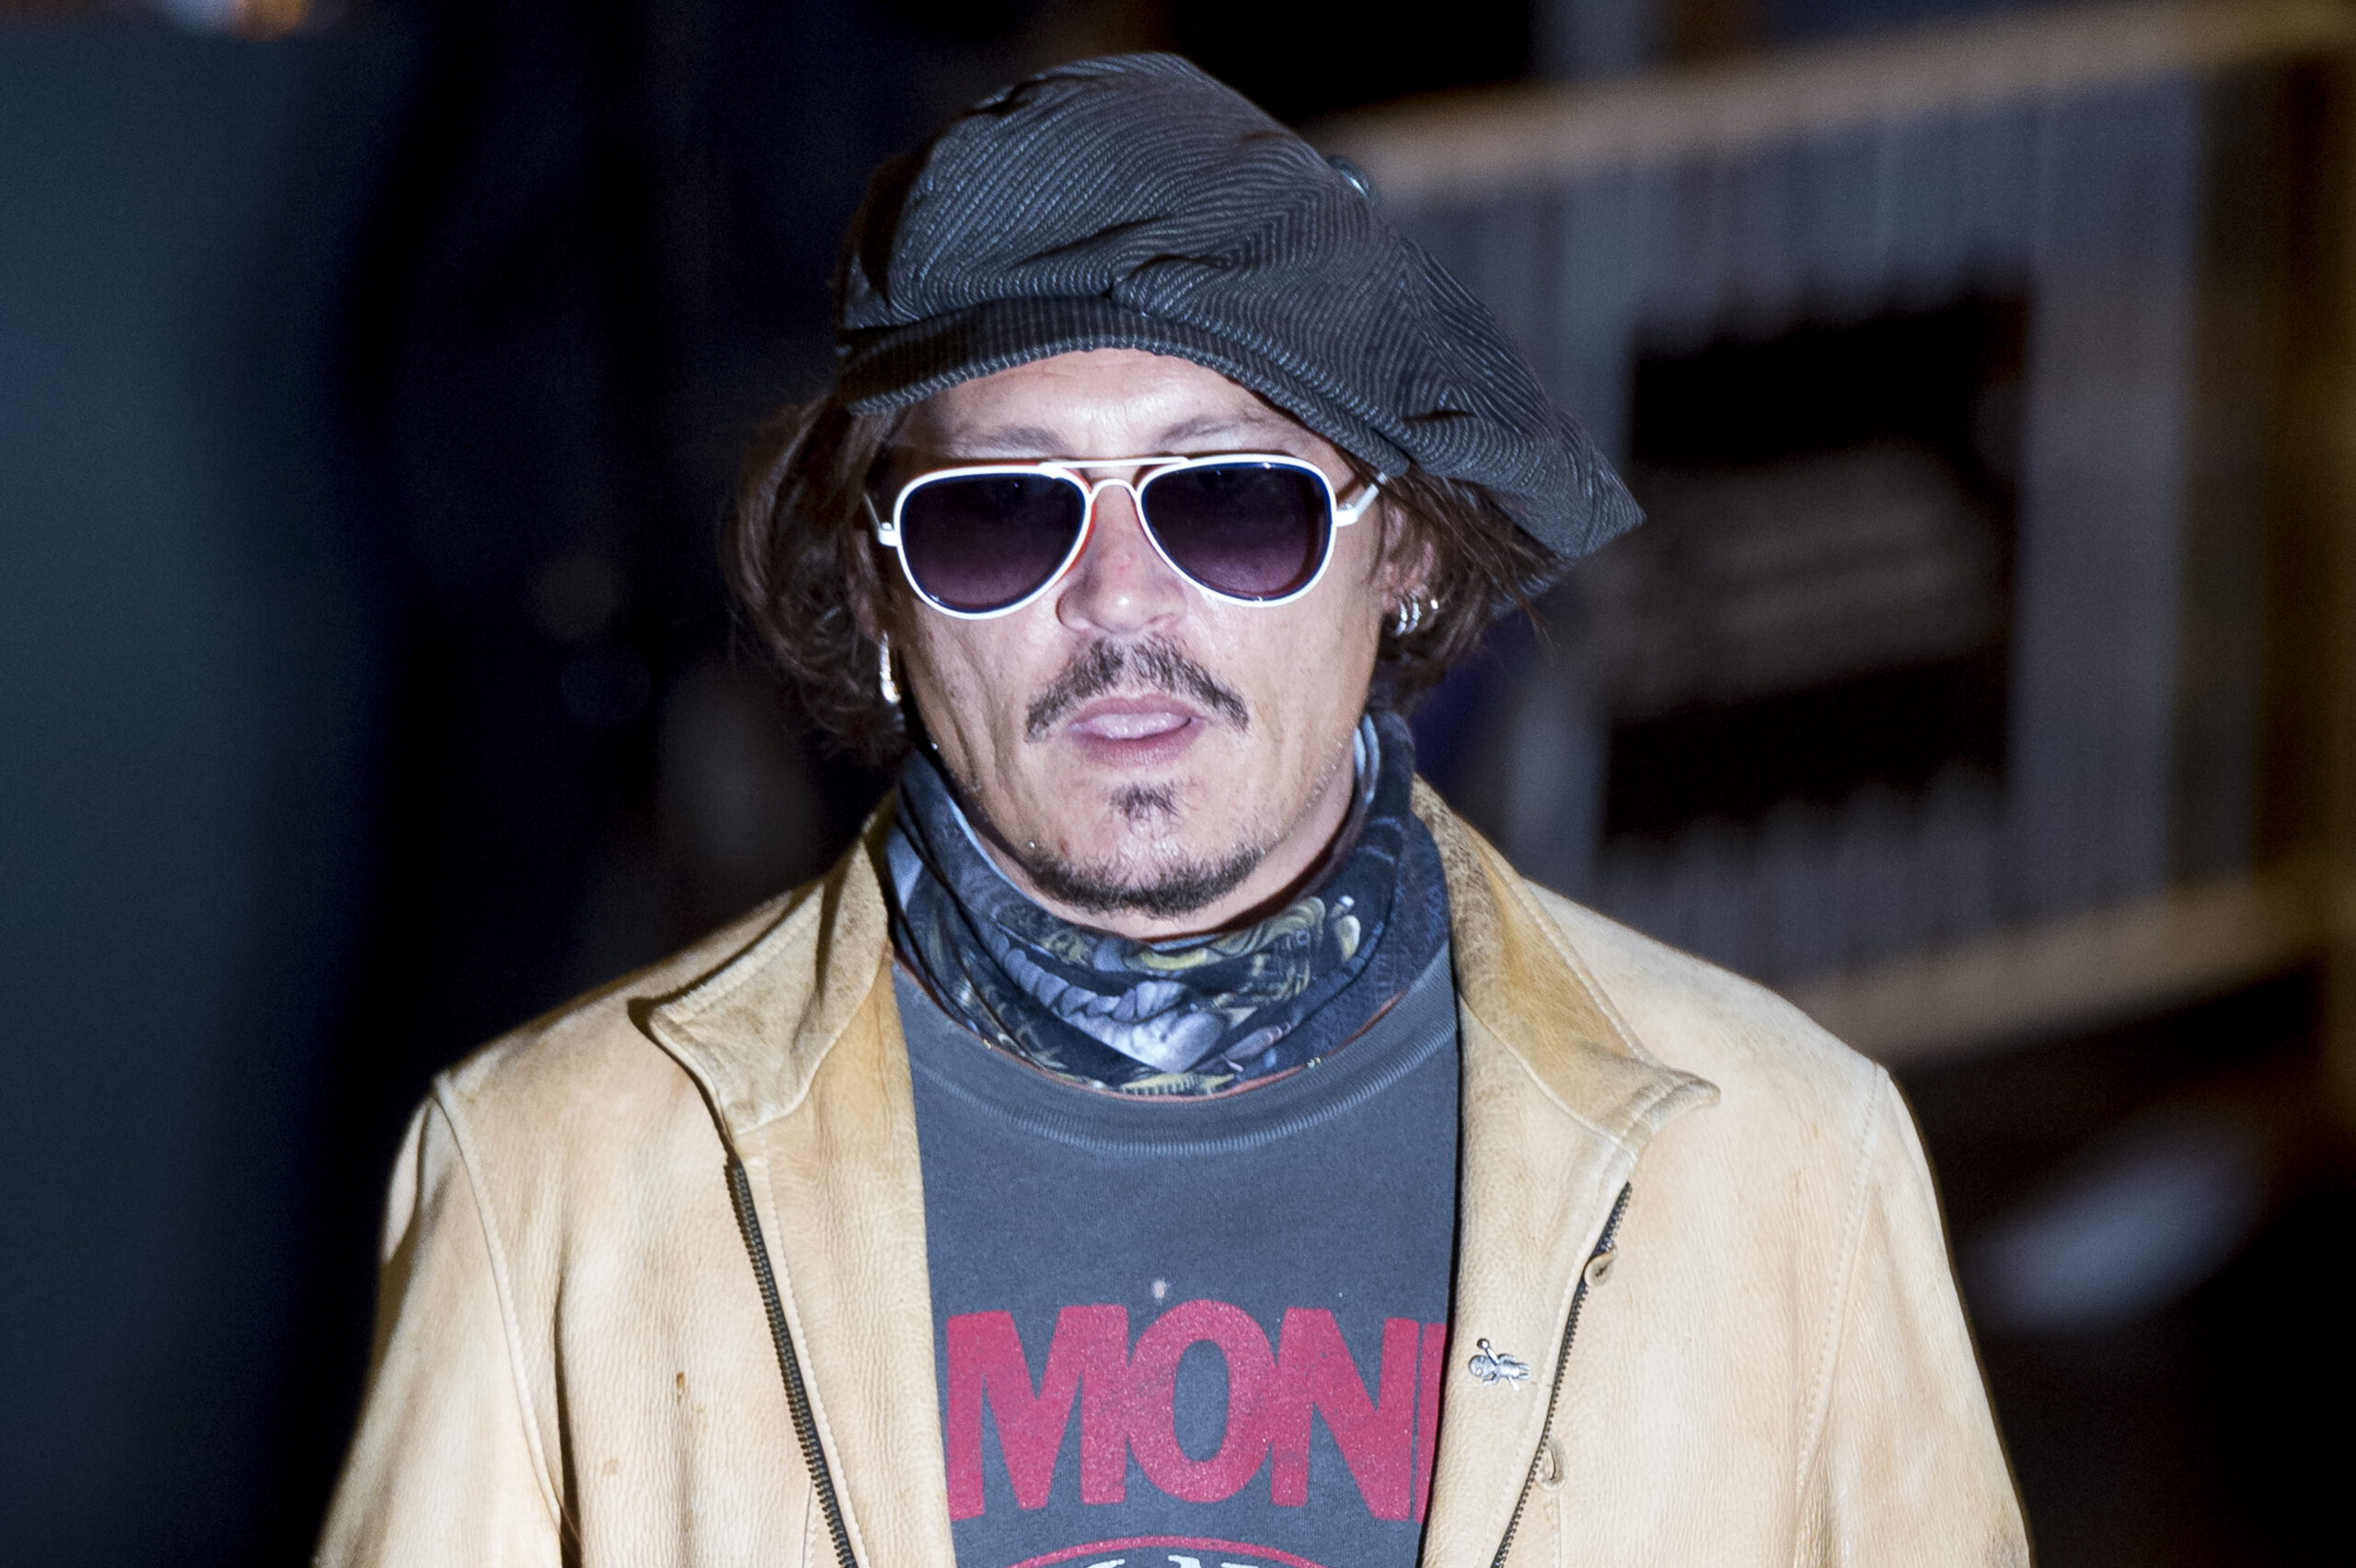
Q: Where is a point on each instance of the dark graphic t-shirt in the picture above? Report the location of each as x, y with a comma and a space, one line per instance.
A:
1195, 1333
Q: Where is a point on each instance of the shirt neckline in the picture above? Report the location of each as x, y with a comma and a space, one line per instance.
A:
959, 1063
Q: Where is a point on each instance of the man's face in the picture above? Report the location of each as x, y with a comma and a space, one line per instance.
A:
1144, 758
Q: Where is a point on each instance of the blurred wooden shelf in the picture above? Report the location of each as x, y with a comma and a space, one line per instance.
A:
2101, 966
1464, 144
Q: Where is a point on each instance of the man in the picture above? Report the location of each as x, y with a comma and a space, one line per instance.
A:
1169, 1137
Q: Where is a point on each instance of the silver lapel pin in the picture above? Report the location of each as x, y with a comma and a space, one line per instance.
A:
1496, 1367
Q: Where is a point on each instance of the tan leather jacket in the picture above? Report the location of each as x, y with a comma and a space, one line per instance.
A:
575, 1361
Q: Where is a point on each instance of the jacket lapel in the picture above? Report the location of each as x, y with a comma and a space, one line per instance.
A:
798, 1047
1558, 1102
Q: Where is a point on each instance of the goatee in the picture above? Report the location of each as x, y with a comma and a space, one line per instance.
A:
1169, 891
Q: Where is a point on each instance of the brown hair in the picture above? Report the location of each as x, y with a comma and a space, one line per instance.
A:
800, 553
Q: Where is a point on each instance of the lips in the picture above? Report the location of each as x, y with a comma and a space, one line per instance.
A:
1131, 719
1135, 731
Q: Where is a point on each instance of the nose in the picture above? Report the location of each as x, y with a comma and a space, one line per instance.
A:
1120, 586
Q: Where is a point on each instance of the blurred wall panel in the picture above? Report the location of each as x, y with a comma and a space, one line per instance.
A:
1935, 358
190, 662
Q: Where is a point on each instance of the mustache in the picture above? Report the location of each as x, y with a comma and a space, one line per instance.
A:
1155, 663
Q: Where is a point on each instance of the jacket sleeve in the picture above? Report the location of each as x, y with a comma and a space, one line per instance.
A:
1907, 1466
446, 1468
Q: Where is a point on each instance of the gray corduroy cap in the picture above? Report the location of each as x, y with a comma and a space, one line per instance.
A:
1133, 202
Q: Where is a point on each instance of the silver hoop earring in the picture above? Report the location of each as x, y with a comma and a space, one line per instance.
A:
884, 681
1409, 616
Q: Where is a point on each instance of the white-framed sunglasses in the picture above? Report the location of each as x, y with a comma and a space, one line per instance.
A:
1248, 527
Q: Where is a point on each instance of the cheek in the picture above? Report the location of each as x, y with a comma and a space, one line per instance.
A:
1357, 593
959, 669
975, 682
1308, 664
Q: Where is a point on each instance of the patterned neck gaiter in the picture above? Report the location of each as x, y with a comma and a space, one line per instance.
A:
1198, 1016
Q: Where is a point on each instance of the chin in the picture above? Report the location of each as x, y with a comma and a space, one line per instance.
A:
1166, 880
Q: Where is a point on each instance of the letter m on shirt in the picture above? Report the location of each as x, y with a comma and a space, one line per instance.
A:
1088, 1358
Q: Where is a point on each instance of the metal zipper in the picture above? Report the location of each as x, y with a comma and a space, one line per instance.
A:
797, 1396
1562, 1361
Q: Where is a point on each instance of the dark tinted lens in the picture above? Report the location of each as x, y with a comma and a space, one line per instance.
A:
982, 541
1252, 530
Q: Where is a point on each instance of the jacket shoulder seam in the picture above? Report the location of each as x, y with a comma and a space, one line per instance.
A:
1836, 1328
503, 1289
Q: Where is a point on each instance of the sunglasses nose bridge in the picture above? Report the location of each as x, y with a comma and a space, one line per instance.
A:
1095, 490
1092, 515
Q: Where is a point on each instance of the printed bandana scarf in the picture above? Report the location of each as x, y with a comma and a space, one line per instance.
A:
1195, 1016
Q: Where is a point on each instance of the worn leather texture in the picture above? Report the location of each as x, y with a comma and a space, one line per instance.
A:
574, 1365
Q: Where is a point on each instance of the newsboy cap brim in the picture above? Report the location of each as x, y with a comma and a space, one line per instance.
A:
982, 339
1133, 202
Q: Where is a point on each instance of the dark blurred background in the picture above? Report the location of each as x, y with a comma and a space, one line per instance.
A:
372, 379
